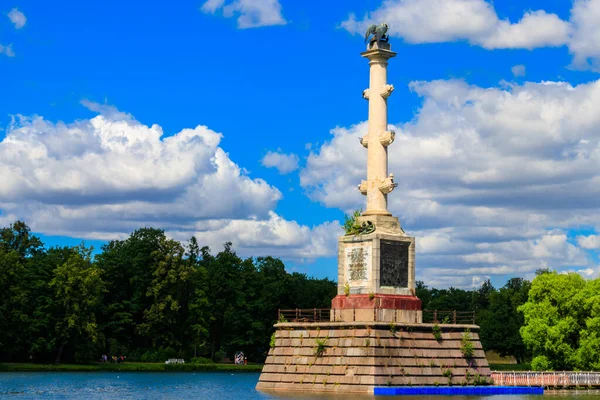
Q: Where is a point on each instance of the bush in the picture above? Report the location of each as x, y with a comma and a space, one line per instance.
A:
201, 360
321, 347
219, 356
466, 345
437, 332
159, 355
541, 363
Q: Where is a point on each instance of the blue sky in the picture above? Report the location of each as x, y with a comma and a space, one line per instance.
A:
238, 120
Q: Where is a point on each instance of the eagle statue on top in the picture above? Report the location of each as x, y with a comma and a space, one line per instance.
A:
379, 33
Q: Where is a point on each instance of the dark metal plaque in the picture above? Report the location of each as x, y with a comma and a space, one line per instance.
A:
394, 263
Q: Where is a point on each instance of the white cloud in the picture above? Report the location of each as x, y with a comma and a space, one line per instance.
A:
490, 180
17, 18
250, 13
518, 70
285, 163
589, 242
585, 41
476, 21
107, 176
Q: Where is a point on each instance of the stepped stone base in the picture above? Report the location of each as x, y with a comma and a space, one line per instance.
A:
357, 357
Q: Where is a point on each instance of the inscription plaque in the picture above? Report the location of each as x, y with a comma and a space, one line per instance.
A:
394, 263
358, 263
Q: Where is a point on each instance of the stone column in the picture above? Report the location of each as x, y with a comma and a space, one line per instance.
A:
378, 183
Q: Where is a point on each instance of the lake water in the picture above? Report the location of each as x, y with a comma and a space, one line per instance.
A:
164, 385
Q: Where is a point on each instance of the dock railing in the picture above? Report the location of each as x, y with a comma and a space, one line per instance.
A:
558, 379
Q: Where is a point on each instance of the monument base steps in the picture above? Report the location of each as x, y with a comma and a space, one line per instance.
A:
356, 357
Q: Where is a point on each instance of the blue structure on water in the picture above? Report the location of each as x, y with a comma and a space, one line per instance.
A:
456, 390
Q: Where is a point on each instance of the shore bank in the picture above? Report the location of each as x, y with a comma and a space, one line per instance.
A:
129, 366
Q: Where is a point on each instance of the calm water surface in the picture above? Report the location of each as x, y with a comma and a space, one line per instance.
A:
188, 386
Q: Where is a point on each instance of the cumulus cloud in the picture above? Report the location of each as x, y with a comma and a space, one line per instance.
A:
103, 177
589, 242
585, 41
285, 163
490, 180
476, 21
17, 18
250, 13
518, 70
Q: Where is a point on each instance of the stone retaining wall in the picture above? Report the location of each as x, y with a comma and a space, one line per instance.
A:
343, 357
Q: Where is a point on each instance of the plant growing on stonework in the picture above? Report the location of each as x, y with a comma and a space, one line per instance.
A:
321, 347
448, 374
351, 225
480, 380
371, 296
466, 345
281, 319
437, 332
392, 328
272, 342
347, 289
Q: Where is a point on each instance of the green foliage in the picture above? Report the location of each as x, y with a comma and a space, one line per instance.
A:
272, 342
201, 360
321, 347
562, 321
351, 225
466, 345
146, 297
500, 321
347, 289
448, 374
281, 319
541, 363
437, 332
159, 355
371, 296
78, 288
190, 367
392, 328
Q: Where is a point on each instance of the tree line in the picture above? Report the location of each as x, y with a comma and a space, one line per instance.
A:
147, 297
150, 298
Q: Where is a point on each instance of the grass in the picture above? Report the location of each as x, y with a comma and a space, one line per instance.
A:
510, 367
129, 366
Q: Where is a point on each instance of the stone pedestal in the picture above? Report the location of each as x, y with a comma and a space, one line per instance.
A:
357, 357
376, 275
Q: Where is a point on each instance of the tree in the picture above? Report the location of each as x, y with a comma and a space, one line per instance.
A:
555, 317
18, 237
78, 287
127, 267
163, 319
195, 304
501, 321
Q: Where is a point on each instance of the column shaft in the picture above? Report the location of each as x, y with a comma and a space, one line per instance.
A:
377, 159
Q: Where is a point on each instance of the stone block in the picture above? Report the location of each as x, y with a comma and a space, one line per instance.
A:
408, 356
